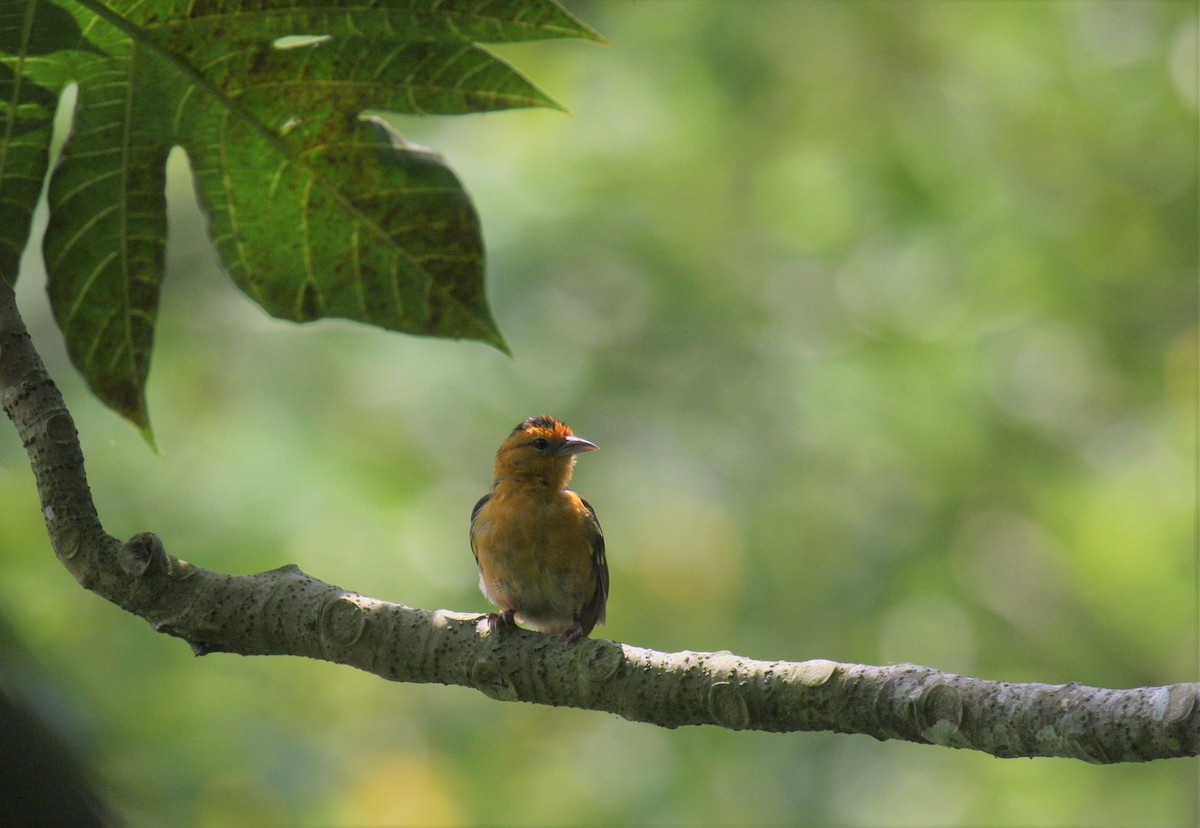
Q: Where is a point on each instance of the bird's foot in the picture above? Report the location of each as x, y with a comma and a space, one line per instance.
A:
498, 621
573, 633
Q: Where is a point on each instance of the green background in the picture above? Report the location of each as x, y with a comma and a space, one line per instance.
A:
884, 316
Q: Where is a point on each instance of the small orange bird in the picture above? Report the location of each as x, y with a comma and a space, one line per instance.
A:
538, 544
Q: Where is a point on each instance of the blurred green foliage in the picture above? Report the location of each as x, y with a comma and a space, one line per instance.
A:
884, 316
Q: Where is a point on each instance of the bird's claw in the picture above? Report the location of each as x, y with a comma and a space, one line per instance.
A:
498, 621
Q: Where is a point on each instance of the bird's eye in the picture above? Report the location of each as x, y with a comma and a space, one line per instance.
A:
540, 443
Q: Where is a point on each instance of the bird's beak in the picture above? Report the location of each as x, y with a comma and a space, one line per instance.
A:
576, 445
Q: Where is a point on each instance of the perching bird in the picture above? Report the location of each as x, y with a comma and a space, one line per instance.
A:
538, 544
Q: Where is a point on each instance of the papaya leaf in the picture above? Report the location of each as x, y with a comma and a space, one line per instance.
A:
30, 32
317, 207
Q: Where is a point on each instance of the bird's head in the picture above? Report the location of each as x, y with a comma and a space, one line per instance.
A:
540, 449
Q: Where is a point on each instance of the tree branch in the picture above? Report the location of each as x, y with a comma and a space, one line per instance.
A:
286, 612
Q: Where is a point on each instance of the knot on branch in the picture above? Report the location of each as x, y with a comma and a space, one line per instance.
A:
813, 673
143, 555
727, 704
599, 661
60, 428
939, 711
67, 541
489, 679
1175, 703
342, 621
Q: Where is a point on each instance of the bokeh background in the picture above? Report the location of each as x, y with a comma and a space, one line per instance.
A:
885, 318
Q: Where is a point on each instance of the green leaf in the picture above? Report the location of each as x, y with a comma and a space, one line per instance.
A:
317, 207
29, 31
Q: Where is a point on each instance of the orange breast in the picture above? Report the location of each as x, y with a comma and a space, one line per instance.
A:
535, 555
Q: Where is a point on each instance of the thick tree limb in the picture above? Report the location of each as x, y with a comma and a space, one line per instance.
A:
286, 612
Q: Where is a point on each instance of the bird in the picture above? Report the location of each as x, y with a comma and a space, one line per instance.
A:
538, 545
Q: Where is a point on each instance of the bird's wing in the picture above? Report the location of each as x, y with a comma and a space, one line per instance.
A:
474, 513
594, 611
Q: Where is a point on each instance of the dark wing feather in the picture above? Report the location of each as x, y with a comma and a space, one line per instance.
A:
593, 611
474, 513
